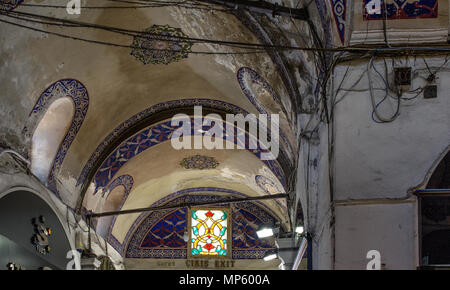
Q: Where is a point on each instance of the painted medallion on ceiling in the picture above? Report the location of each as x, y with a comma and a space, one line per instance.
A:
160, 133
199, 162
160, 44
339, 10
63, 88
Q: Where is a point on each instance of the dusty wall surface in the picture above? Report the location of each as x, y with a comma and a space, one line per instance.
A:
377, 164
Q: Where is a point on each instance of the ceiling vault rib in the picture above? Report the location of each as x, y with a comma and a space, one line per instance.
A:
144, 123
138, 126
157, 208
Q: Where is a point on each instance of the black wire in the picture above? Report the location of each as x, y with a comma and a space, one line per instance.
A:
140, 6
225, 43
120, 45
164, 38
190, 39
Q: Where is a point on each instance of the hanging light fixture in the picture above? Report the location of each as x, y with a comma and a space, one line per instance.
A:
185, 235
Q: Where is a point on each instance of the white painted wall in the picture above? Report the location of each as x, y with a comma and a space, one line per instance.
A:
376, 163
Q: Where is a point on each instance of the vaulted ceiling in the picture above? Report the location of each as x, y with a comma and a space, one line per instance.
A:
110, 147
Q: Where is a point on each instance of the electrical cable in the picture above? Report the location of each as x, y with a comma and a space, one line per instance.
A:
372, 97
178, 38
225, 43
138, 6
123, 45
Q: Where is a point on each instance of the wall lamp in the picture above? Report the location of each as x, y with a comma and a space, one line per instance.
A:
269, 230
266, 230
270, 255
273, 254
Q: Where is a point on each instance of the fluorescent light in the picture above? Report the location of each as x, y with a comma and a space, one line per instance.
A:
264, 233
299, 229
270, 257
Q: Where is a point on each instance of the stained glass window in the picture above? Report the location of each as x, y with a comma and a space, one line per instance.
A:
209, 232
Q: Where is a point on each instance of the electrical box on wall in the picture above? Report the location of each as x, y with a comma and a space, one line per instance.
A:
430, 92
402, 76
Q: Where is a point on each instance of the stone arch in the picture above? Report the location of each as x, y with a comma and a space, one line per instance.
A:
424, 184
147, 113
440, 179
246, 87
113, 202
10, 5
48, 136
51, 204
153, 115
159, 133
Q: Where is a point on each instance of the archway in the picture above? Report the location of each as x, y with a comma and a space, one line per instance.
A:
21, 212
48, 136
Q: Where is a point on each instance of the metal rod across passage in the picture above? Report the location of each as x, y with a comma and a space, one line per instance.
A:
184, 204
263, 7
432, 191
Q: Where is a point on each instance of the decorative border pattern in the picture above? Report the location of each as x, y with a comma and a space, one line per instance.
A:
63, 88
127, 182
262, 181
256, 78
170, 199
9, 5
135, 249
246, 217
160, 133
404, 9
277, 57
339, 8
214, 104
326, 26
124, 180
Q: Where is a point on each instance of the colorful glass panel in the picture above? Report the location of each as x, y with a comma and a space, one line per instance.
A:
209, 231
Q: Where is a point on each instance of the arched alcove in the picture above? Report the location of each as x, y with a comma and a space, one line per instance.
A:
48, 136
21, 211
112, 203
